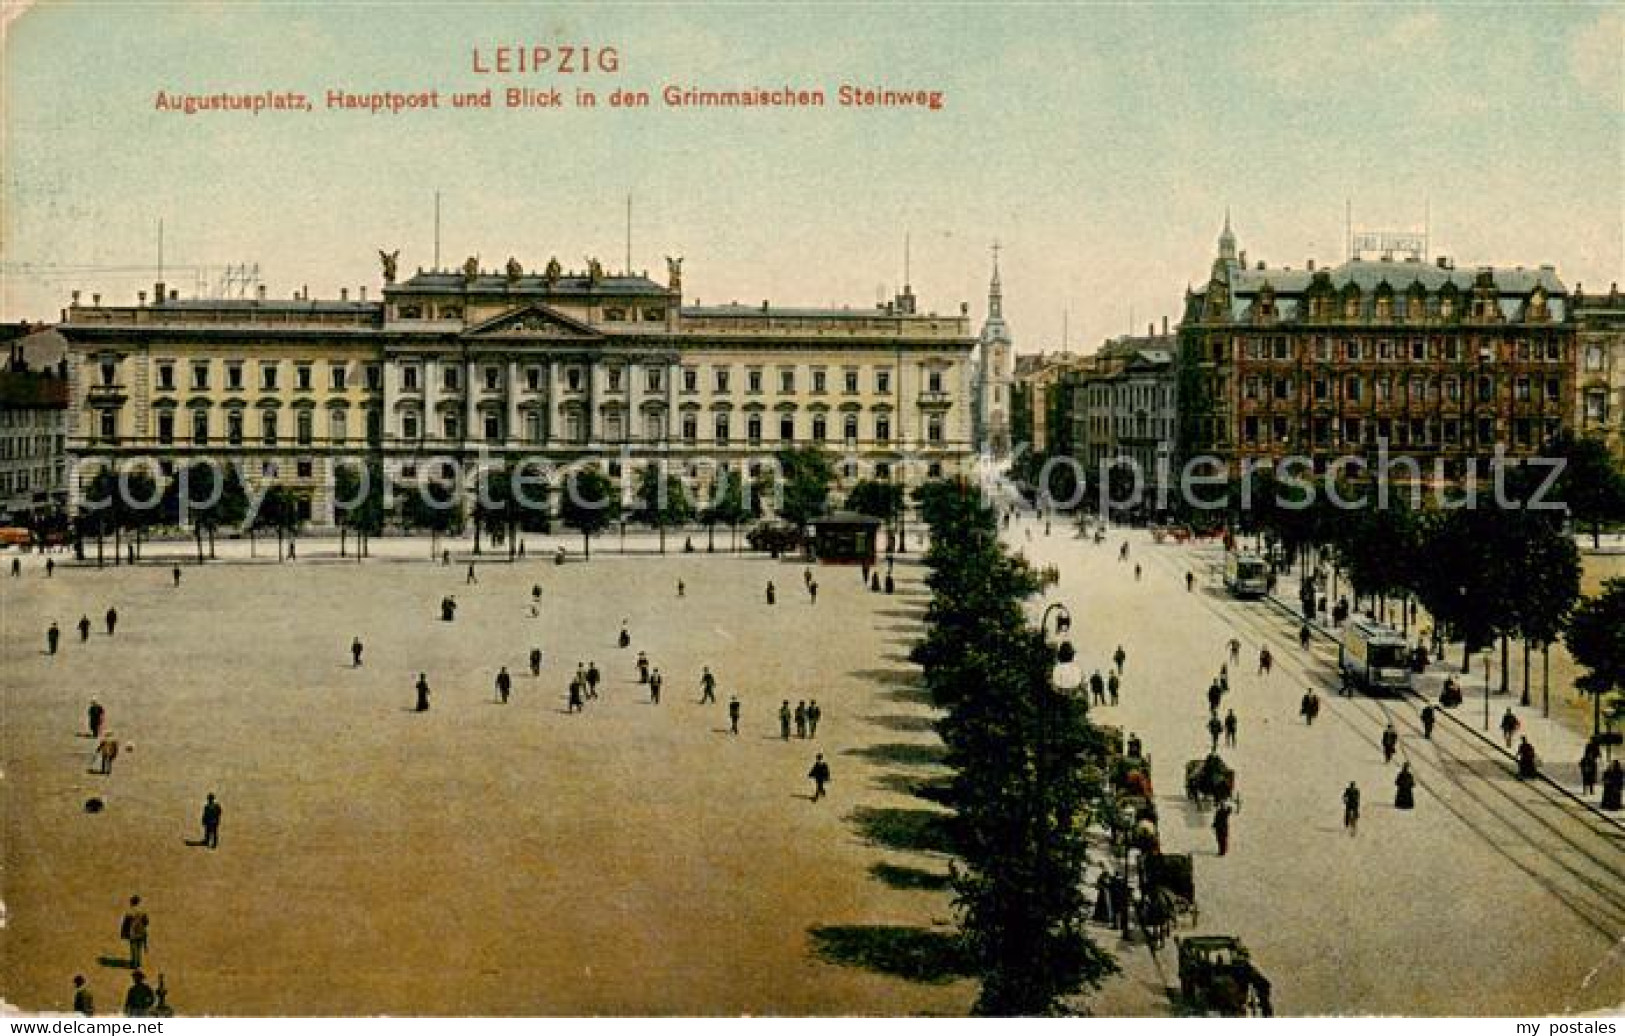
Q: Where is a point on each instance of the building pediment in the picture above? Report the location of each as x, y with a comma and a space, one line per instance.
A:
534, 321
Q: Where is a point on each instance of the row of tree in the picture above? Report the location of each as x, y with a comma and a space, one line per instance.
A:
1025, 758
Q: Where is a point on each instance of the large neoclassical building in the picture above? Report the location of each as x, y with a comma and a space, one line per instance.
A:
495, 366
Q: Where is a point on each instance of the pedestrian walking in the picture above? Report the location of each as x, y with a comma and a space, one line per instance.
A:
445, 558
1390, 743
784, 720
1303, 636
1429, 717
1214, 729
1113, 685
1221, 827
16, 567
1613, 786
504, 685
890, 585
708, 687
1190, 581
680, 588
96, 715
1230, 725
574, 703
536, 593
134, 930
733, 715
84, 628
52, 637
1122, 553
1136, 571
175, 574
814, 714
1097, 688
593, 678
471, 579
1528, 762
812, 592
211, 822
820, 777
83, 1002
801, 719
140, 998
1588, 768
1351, 808
50, 567
874, 582
1309, 707
106, 753
1509, 727
1215, 693
1405, 788
643, 667
655, 680
535, 661
625, 639
1118, 657
423, 693
1265, 661
1224, 678
1235, 649
112, 620
770, 591
355, 652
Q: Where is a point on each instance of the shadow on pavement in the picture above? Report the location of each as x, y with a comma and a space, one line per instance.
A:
902, 754
909, 830
909, 877
916, 954
904, 723
931, 790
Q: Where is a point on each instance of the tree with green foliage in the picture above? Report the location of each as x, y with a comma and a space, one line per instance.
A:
883, 500
1596, 639
590, 504
281, 510
1590, 483
661, 501
732, 504
431, 505
807, 473
359, 506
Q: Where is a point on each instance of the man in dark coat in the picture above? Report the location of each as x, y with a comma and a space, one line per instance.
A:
708, 687
1528, 763
1428, 719
1221, 827
52, 637
733, 715
355, 652
139, 1000
1390, 743
593, 676
211, 822
1214, 729
112, 620
84, 628
820, 777
423, 693
784, 720
1613, 786
1588, 769
504, 685
535, 661
97, 716
1351, 808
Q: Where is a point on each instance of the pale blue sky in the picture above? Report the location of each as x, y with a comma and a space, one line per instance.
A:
1099, 144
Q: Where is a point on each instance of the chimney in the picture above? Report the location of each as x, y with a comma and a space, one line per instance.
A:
363, 295
174, 294
344, 294
158, 294
304, 291
76, 296
1151, 329
141, 298
764, 305
260, 294
96, 299
1165, 325
1311, 266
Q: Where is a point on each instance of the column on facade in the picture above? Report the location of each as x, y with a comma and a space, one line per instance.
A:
471, 430
429, 386
512, 428
594, 371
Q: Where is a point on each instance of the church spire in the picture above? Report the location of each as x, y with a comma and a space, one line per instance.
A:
995, 290
1227, 238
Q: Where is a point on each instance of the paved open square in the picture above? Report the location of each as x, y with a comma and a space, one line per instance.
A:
478, 858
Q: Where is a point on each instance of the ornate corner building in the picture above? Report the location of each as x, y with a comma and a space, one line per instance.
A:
1432, 363
488, 368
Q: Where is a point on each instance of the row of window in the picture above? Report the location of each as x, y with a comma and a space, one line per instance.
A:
654, 379
24, 479
1416, 390
1395, 432
304, 377
614, 427
269, 426
1280, 347
30, 446
28, 418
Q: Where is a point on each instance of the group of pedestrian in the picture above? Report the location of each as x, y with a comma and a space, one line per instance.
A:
804, 717
53, 633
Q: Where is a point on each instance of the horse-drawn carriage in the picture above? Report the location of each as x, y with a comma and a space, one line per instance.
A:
1216, 975
1164, 533
1167, 894
1209, 780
